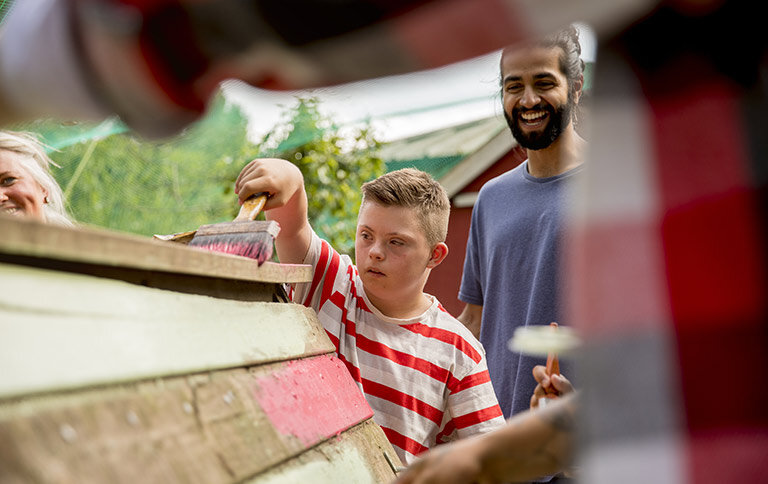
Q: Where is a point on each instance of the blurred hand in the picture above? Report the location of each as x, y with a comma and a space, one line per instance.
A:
457, 463
549, 386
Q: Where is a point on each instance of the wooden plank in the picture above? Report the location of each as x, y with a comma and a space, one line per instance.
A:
30, 238
63, 330
214, 428
237, 289
357, 456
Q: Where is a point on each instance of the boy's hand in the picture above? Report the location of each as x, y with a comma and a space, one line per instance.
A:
549, 386
287, 203
281, 179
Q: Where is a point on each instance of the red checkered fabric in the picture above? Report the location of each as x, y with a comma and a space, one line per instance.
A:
669, 282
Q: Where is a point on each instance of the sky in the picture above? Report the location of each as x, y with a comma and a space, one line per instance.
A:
397, 106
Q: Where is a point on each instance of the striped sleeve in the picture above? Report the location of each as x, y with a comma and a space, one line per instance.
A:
334, 297
325, 262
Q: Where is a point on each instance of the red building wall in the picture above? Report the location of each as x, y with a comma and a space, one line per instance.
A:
445, 279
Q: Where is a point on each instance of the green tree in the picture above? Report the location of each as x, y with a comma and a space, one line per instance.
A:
334, 166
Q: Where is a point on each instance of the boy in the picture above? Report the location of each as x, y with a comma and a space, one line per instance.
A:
421, 370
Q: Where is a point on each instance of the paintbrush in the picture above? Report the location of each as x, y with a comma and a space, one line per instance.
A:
541, 340
243, 236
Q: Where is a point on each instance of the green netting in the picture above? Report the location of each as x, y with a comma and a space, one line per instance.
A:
58, 136
113, 179
5, 7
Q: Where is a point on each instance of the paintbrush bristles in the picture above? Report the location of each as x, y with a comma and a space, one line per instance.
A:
254, 246
248, 239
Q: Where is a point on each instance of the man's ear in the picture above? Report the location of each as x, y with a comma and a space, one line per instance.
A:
439, 252
578, 85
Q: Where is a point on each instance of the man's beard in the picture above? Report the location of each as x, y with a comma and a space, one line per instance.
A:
558, 121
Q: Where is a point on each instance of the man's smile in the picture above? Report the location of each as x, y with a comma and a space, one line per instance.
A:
533, 118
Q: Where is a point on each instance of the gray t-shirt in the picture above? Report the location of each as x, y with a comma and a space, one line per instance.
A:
512, 269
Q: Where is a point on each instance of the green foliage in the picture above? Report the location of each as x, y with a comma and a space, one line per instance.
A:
334, 167
128, 184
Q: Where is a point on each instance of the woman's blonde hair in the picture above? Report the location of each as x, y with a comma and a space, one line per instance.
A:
37, 163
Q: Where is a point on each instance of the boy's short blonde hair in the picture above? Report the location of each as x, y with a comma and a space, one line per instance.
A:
416, 189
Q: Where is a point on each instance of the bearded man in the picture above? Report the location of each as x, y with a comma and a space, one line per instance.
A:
512, 266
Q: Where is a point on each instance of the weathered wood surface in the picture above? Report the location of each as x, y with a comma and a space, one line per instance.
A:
31, 239
63, 330
104, 380
210, 428
356, 457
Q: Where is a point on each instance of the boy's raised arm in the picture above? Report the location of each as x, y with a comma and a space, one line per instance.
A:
287, 203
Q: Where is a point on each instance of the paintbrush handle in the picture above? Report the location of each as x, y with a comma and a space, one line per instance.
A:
553, 368
251, 207
553, 363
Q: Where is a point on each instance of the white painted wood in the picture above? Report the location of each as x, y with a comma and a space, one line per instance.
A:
25, 237
62, 331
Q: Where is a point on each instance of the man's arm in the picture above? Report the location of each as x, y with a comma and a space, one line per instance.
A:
471, 316
287, 203
532, 444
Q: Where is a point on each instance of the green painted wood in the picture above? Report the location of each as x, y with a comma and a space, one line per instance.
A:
63, 331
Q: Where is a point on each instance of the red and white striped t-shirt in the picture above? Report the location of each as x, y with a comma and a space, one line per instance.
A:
425, 378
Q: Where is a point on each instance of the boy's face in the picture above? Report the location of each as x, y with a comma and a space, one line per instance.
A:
391, 253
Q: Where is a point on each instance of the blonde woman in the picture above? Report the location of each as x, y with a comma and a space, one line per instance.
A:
26, 185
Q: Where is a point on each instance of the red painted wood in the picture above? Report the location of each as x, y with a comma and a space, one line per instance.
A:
312, 399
